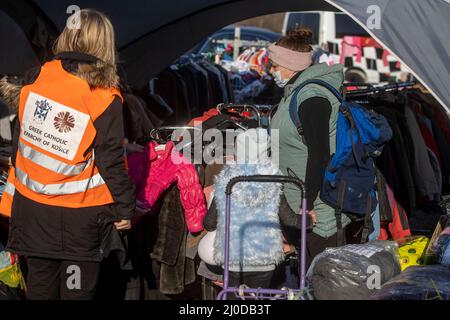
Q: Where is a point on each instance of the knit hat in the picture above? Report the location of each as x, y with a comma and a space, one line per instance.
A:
252, 146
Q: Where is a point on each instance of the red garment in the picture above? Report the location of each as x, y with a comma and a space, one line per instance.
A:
206, 115
397, 229
154, 170
383, 234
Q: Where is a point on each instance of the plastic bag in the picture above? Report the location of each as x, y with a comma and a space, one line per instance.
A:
353, 272
440, 248
10, 273
418, 283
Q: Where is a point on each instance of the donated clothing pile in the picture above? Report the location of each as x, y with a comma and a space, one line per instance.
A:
418, 283
348, 272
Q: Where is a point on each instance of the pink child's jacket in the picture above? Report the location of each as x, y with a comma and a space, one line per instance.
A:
154, 170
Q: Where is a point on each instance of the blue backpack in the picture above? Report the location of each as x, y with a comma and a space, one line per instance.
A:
349, 182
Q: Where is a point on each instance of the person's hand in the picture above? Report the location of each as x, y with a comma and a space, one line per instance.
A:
123, 225
313, 215
132, 147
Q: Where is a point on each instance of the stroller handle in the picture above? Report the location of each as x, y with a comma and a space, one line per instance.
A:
265, 178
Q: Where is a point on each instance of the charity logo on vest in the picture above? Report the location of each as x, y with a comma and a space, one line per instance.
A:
41, 111
52, 126
64, 122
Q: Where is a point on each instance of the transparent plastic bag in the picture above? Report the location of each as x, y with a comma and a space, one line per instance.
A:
417, 283
353, 272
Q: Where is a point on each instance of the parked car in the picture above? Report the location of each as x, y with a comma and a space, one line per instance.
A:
250, 37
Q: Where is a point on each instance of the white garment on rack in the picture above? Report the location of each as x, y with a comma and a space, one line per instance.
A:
206, 248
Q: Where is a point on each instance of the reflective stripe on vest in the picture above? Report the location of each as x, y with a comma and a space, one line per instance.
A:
51, 163
59, 188
10, 189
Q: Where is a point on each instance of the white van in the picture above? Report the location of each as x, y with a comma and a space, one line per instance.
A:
344, 41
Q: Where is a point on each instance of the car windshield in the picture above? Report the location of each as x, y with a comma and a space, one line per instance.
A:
218, 43
346, 26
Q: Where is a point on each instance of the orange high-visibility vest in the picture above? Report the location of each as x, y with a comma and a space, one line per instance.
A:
8, 194
55, 159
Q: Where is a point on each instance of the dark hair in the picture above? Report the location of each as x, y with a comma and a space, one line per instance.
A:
297, 39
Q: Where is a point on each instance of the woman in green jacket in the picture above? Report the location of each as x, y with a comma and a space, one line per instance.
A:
308, 155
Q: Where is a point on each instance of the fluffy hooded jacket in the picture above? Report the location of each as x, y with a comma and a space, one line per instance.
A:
256, 240
154, 170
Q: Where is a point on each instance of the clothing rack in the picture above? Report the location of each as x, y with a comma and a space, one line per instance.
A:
244, 107
188, 58
378, 89
156, 134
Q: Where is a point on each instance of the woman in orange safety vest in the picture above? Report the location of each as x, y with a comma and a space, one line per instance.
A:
69, 188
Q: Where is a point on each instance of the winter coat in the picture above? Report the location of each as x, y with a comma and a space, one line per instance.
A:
154, 170
256, 241
176, 269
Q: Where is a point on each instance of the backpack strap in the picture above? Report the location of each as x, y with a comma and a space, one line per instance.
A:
293, 111
338, 214
367, 221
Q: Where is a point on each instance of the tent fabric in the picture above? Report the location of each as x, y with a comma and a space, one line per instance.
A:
416, 31
152, 34
146, 16
18, 58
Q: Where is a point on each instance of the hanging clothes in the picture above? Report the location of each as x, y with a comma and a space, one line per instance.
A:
154, 170
175, 270
423, 170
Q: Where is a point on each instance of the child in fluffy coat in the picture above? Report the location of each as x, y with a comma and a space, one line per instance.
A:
256, 245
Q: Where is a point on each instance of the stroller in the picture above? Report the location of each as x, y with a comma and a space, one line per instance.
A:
260, 293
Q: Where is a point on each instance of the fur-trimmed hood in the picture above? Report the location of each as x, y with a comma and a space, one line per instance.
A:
10, 92
256, 240
95, 72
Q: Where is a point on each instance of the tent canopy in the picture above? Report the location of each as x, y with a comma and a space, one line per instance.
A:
416, 31
151, 34
19, 57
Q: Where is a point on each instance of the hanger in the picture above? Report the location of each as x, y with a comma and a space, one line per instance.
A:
220, 125
392, 87
157, 134
245, 107
151, 85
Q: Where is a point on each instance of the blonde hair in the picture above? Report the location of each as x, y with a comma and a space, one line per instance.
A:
95, 36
